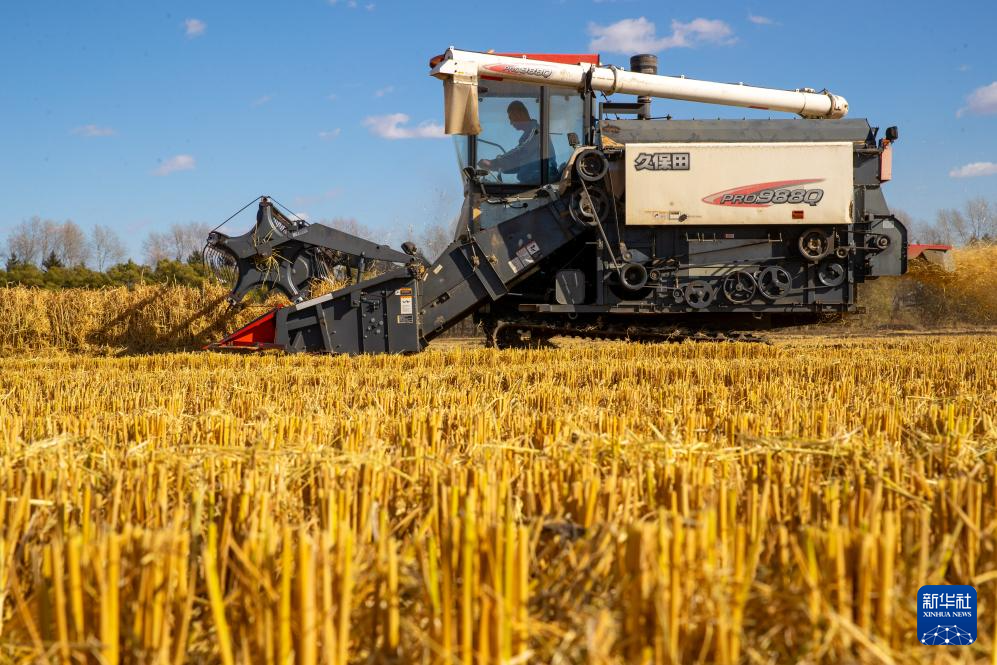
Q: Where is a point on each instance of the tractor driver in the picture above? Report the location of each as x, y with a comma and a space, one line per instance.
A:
523, 161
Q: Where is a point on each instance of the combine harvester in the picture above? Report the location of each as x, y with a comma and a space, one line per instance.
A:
577, 222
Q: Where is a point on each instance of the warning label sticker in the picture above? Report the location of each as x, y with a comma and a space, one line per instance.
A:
406, 318
525, 256
406, 305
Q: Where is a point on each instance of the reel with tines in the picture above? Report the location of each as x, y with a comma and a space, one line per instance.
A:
221, 265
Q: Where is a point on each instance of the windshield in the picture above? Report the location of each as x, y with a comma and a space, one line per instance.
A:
509, 145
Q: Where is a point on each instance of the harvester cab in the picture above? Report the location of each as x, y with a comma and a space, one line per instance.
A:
525, 132
592, 218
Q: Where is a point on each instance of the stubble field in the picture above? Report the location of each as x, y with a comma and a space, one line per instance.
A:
609, 502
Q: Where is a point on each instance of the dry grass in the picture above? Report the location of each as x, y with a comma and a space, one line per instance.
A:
142, 318
929, 297
139, 319
611, 503
970, 293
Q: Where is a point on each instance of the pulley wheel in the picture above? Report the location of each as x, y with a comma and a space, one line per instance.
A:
815, 244
591, 165
739, 287
774, 282
588, 210
831, 273
633, 276
699, 294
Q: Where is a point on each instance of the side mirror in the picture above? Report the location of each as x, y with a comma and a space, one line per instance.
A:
573, 140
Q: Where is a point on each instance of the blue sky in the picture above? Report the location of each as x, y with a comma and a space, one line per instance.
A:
142, 114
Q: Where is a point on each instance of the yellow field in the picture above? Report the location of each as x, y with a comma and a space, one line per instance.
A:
602, 502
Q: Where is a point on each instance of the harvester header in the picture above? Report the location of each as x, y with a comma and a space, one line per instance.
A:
461, 71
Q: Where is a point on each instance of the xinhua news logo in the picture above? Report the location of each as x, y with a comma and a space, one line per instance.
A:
946, 614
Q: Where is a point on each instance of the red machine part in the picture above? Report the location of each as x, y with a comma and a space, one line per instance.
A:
886, 160
560, 58
914, 251
936, 255
259, 334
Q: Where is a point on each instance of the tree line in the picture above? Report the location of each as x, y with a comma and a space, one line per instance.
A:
975, 222
46, 253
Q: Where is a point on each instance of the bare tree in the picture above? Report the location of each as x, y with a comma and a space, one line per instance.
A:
932, 235
23, 242
32, 240
72, 247
37, 239
981, 219
157, 247
180, 243
952, 226
106, 247
188, 240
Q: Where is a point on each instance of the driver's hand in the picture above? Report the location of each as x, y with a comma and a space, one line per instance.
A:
485, 164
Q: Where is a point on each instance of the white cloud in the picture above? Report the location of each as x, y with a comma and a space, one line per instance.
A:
194, 27
260, 101
982, 101
330, 134
93, 130
391, 126
174, 164
760, 20
638, 35
386, 90
974, 170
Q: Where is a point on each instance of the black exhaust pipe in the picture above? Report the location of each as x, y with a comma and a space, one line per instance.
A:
644, 63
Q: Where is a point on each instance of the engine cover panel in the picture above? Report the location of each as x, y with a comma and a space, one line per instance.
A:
694, 184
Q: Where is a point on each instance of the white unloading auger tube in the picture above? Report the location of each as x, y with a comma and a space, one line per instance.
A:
461, 69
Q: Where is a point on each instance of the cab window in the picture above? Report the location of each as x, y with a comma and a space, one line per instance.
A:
567, 117
509, 146
526, 133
